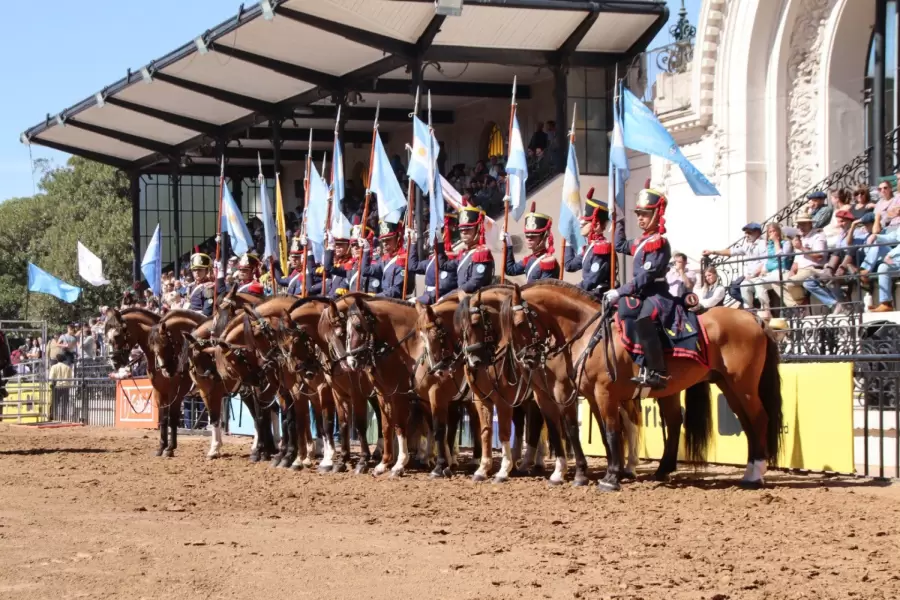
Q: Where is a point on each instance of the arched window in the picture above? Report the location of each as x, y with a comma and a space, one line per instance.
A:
891, 106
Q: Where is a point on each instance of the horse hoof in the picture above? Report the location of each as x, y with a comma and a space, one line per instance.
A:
751, 485
398, 474
297, 466
627, 475
285, 463
479, 478
580, 481
499, 480
361, 468
377, 455
325, 469
608, 486
339, 468
307, 463
661, 476
276, 460
555, 482
254, 457
446, 473
159, 452
167, 453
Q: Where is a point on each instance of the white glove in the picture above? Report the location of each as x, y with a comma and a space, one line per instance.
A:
413, 235
612, 296
508, 239
363, 243
303, 239
507, 199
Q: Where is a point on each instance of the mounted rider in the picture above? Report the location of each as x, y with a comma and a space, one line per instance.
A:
294, 281
337, 254
636, 299
247, 275
474, 265
541, 263
386, 272
351, 272
205, 289
593, 260
448, 279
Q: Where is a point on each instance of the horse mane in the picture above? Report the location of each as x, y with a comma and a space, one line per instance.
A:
137, 310
506, 318
572, 291
183, 314
301, 301
461, 314
367, 298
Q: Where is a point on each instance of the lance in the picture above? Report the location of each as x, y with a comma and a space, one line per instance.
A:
219, 230
368, 196
562, 260
328, 227
612, 255
512, 114
306, 208
431, 194
411, 197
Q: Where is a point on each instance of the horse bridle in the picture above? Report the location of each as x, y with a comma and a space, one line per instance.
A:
495, 354
448, 357
315, 359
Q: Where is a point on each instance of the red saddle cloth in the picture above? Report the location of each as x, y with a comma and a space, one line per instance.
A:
680, 330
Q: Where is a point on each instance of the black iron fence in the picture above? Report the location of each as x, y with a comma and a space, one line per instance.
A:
91, 401
876, 415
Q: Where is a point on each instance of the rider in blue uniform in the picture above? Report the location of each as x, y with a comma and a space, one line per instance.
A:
593, 260
651, 254
247, 275
350, 269
205, 289
541, 263
386, 272
474, 265
420, 267
337, 254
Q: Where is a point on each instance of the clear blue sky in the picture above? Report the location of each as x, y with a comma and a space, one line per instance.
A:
55, 53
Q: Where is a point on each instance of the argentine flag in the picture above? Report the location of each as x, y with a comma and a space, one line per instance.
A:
618, 160
383, 183
316, 212
571, 208
233, 223
516, 170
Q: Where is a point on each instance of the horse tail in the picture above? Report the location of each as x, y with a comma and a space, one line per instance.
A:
697, 422
770, 396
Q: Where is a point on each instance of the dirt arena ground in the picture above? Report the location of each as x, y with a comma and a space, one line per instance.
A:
88, 513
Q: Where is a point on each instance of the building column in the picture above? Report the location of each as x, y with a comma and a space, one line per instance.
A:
175, 182
876, 161
134, 195
561, 100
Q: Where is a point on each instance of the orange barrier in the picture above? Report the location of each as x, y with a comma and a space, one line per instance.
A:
135, 408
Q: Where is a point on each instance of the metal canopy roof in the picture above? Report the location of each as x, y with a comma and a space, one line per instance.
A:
250, 70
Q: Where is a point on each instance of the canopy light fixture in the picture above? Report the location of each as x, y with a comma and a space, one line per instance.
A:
267, 11
100, 100
145, 73
202, 48
448, 8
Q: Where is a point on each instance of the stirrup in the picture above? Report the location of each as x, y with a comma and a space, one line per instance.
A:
651, 379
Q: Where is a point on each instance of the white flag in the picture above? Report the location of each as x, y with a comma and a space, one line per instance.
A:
90, 267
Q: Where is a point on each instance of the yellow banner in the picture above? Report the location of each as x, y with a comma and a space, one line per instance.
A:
282, 228
26, 403
817, 404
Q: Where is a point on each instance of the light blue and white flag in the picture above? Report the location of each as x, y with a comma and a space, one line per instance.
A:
642, 131
571, 208
421, 160
233, 223
43, 282
516, 170
618, 159
316, 213
435, 195
268, 219
337, 173
151, 265
383, 183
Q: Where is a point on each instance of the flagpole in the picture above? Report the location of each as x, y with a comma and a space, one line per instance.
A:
612, 254
433, 196
410, 195
219, 232
368, 197
337, 122
512, 114
306, 210
262, 182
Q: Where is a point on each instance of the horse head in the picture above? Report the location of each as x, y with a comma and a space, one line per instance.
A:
224, 312
6, 367
160, 345
360, 337
521, 328
117, 339
332, 329
430, 329
296, 347
474, 326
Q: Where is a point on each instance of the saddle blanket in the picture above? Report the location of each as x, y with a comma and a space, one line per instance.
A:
680, 330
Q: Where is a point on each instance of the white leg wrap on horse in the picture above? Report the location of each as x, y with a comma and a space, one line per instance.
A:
484, 466
559, 473
506, 461
276, 427
327, 454
528, 458
402, 454
255, 444
380, 468
215, 441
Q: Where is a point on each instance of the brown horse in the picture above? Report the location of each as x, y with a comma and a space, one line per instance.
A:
499, 381
162, 347
556, 320
383, 339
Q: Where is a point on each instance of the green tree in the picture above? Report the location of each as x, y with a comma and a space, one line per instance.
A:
82, 201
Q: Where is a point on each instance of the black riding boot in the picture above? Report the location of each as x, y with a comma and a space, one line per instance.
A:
653, 373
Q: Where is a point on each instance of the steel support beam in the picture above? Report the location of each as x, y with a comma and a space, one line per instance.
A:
247, 102
210, 129
113, 161
134, 195
277, 140
876, 161
298, 134
126, 138
367, 113
175, 182
571, 44
450, 88
278, 66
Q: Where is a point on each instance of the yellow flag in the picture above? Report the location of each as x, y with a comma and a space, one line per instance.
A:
282, 226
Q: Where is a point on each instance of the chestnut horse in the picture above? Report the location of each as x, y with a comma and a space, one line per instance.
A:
559, 321
162, 347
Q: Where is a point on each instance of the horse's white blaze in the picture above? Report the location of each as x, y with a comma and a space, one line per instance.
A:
506, 462
402, 454
559, 473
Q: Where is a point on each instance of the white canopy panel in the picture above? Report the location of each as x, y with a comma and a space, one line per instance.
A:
173, 99
613, 32
400, 20
79, 138
496, 27
124, 120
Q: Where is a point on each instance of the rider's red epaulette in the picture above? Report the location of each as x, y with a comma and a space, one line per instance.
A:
653, 244
548, 263
482, 255
255, 287
602, 247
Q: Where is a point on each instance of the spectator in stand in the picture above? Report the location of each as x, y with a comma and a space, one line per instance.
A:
538, 139
34, 352
771, 272
63, 367
819, 212
87, 345
808, 267
711, 292
496, 167
679, 279
834, 231
862, 202
887, 209
752, 248
67, 340
489, 198
552, 149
